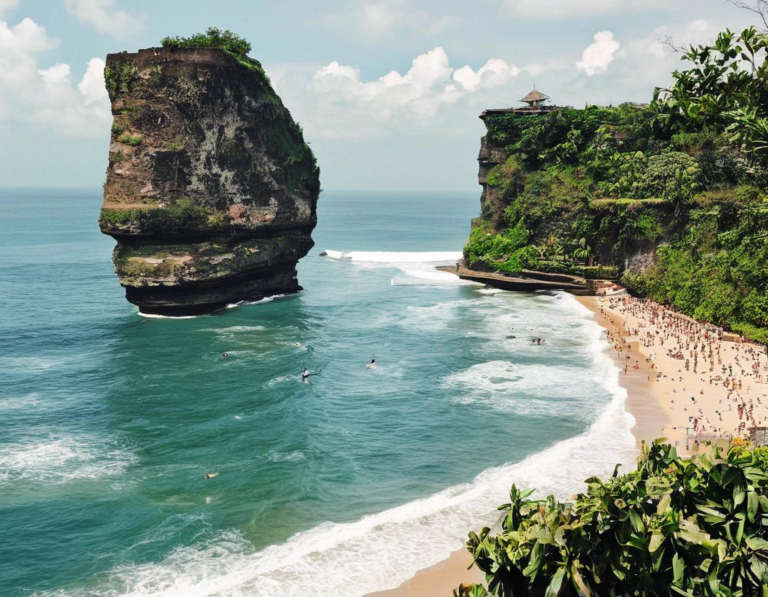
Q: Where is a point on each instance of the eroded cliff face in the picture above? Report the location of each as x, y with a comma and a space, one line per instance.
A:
211, 191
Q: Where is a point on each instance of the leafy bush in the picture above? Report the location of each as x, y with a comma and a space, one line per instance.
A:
212, 38
724, 88
673, 526
507, 252
670, 175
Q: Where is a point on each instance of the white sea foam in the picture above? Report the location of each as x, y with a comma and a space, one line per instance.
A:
283, 379
266, 299
61, 459
525, 389
235, 329
426, 275
394, 257
35, 363
382, 550
434, 317
28, 401
418, 268
275, 456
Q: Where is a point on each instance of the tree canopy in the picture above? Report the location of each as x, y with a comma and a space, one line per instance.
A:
726, 86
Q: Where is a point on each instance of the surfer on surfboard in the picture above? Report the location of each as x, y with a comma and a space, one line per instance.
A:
372, 364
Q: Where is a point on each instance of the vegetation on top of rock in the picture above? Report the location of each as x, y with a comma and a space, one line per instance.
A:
212, 38
672, 527
686, 175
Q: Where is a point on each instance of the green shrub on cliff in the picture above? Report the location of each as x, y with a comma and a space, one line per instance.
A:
672, 527
507, 252
212, 38
119, 79
128, 139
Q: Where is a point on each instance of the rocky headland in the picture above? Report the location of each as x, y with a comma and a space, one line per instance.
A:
211, 190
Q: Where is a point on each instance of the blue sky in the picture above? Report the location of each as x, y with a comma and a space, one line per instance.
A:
388, 91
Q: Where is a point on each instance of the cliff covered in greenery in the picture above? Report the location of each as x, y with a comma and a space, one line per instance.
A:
670, 197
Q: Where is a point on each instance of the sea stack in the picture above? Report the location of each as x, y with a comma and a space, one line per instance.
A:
211, 190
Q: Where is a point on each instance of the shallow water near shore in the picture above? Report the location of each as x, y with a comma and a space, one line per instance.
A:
342, 486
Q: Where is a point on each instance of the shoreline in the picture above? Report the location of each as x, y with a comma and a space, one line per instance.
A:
635, 332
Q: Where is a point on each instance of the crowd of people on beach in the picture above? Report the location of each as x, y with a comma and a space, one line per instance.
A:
731, 373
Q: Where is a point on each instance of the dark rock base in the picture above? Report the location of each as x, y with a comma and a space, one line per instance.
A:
201, 298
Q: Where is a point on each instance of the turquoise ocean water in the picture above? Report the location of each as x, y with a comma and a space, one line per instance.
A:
109, 421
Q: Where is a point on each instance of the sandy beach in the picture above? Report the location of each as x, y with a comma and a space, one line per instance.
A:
687, 382
706, 387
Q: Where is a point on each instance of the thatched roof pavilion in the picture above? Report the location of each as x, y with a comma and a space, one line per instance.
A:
535, 99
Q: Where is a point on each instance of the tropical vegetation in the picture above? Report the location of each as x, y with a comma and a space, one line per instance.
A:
670, 196
673, 526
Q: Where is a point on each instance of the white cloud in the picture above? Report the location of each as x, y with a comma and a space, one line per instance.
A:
105, 17
557, 9
696, 32
380, 18
92, 85
562, 9
6, 5
46, 97
597, 56
336, 101
493, 73
417, 94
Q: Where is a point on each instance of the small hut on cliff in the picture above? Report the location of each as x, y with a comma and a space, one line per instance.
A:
536, 105
535, 99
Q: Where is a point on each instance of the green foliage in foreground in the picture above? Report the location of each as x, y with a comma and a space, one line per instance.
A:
673, 527
212, 38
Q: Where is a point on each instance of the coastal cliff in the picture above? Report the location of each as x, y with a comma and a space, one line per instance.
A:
676, 212
211, 191
553, 202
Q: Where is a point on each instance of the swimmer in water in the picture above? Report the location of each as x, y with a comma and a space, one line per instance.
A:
224, 355
305, 374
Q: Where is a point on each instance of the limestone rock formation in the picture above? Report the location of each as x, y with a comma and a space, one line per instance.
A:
211, 191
